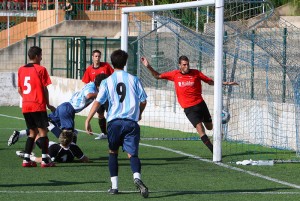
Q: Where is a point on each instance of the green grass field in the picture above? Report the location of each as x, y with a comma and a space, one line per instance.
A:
173, 170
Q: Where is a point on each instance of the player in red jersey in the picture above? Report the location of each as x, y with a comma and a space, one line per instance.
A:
188, 89
89, 76
33, 80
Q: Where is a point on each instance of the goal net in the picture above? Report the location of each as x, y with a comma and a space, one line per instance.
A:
260, 52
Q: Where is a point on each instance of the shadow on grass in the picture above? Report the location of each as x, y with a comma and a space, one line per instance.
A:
50, 183
259, 153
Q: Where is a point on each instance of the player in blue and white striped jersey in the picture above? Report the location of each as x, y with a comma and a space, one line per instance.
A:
127, 100
64, 115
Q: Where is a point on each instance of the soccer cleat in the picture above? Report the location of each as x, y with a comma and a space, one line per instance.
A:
101, 136
141, 186
50, 164
13, 138
113, 191
21, 154
28, 163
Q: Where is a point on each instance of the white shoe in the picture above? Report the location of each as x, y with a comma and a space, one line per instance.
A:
22, 153
13, 138
101, 136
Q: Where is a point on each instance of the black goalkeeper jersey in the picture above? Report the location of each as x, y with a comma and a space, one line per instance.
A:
60, 154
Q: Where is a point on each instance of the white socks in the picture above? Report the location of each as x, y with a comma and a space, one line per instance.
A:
23, 133
114, 182
137, 175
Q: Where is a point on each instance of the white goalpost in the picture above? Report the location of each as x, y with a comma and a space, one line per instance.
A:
218, 55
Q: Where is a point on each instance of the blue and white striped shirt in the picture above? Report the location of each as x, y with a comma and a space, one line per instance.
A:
124, 93
79, 100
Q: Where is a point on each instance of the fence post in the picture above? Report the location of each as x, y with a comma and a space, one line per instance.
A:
105, 49
252, 63
284, 65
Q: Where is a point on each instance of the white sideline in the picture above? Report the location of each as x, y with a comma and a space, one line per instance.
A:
220, 193
191, 156
225, 166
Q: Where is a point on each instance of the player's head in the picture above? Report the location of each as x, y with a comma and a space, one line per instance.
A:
96, 56
35, 54
66, 137
99, 78
184, 64
119, 59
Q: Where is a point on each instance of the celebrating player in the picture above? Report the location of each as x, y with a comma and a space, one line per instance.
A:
188, 89
127, 101
89, 76
33, 80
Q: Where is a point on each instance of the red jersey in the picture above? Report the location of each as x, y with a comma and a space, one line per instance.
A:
32, 78
188, 86
91, 72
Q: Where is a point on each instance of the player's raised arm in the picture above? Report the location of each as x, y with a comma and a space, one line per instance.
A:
149, 67
230, 83
224, 83
92, 112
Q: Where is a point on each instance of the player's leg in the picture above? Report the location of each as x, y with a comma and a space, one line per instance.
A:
114, 142
113, 166
38, 142
30, 123
102, 121
42, 124
196, 115
131, 146
201, 131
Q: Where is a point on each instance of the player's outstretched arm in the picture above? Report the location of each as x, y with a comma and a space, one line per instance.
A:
92, 112
230, 83
224, 83
149, 67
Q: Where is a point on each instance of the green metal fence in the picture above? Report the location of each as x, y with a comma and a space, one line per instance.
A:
68, 56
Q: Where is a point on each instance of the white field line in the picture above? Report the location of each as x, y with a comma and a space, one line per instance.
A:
196, 192
204, 160
225, 166
3, 115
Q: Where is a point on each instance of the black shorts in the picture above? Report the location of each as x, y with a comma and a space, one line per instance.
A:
198, 113
103, 108
36, 120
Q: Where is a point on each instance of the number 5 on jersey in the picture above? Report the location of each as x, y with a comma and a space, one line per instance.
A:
27, 85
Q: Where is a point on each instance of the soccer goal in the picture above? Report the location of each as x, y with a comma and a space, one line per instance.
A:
233, 40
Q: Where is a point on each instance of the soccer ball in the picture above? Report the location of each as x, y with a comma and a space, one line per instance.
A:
225, 117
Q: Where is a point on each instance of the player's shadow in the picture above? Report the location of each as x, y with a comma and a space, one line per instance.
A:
254, 153
51, 183
169, 161
223, 192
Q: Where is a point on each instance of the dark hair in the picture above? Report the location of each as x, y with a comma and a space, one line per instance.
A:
96, 51
119, 58
34, 51
183, 58
99, 78
66, 137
